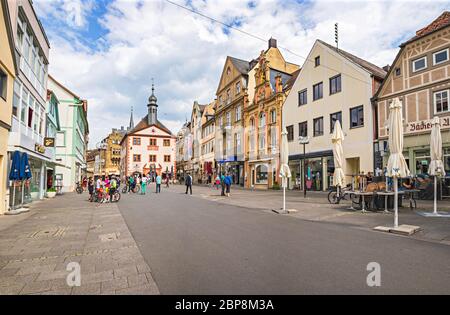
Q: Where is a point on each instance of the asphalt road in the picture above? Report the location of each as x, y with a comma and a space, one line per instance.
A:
195, 246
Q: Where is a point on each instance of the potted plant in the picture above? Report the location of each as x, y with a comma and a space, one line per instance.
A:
51, 192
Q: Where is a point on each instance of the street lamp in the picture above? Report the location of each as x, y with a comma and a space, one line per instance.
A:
304, 141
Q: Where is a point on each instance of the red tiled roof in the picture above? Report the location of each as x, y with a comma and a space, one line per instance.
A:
442, 21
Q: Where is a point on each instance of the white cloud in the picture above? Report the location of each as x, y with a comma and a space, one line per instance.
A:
185, 52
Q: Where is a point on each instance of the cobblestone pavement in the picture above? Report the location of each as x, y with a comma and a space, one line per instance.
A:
315, 207
35, 249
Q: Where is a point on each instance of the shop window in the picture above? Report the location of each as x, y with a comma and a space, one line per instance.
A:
318, 127
333, 118
261, 174
357, 117
441, 101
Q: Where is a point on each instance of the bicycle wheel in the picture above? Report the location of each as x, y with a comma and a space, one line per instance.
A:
333, 198
116, 196
124, 190
137, 189
79, 190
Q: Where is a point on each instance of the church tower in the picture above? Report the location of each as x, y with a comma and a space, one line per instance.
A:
152, 108
131, 120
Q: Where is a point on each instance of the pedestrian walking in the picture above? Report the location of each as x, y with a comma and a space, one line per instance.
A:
144, 185
228, 181
91, 188
217, 182
188, 182
222, 184
167, 181
158, 184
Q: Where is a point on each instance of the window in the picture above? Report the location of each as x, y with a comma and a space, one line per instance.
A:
302, 97
273, 116
440, 57
318, 91
441, 101
238, 88
166, 142
136, 157
166, 158
136, 141
152, 158
398, 72
30, 113
357, 117
24, 109
303, 129
318, 127
229, 119
228, 96
3, 84
290, 131
419, 64
237, 143
273, 138
61, 139
335, 84
262, 140
238, 113
16, 98
261, 174
262, 120
333, 118
317, 61
220, 100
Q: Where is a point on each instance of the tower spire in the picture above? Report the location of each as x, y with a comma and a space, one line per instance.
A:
152, 107
131, 119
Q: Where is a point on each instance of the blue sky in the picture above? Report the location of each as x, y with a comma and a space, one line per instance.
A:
107, 51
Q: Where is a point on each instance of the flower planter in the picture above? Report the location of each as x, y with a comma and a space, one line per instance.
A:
51, 194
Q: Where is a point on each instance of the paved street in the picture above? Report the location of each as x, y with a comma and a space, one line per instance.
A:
197, 246
173, 243
36, 247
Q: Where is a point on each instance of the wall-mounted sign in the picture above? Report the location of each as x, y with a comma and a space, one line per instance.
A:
426, 125
39, 148
49, 142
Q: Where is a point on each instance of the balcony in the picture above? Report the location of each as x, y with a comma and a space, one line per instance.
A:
153, 148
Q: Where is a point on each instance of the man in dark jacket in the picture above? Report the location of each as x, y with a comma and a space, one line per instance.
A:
188, 182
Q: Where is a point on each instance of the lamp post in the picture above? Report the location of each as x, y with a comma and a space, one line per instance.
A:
304, 141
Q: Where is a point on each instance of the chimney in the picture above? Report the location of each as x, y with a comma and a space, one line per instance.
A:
387, 68
272, 43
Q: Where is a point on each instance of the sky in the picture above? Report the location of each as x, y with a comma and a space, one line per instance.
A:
108, 51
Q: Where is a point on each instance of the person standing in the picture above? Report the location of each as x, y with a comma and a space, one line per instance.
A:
228, 181
217, 182
144, 185
158, 184
91, 189
188, 182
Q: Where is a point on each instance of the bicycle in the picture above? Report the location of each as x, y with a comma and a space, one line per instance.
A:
136, 189
79, 188
335, 199
115, 196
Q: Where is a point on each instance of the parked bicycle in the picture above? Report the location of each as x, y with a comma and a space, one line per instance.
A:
335, 198
79, 188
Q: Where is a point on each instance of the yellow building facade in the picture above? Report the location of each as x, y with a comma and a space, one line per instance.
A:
262, 117
8, 72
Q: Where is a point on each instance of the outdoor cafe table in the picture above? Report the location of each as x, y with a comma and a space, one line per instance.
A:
362, 194
386, 194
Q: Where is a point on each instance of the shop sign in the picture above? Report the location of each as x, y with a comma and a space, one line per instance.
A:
39, 148
49, 142
425, 125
